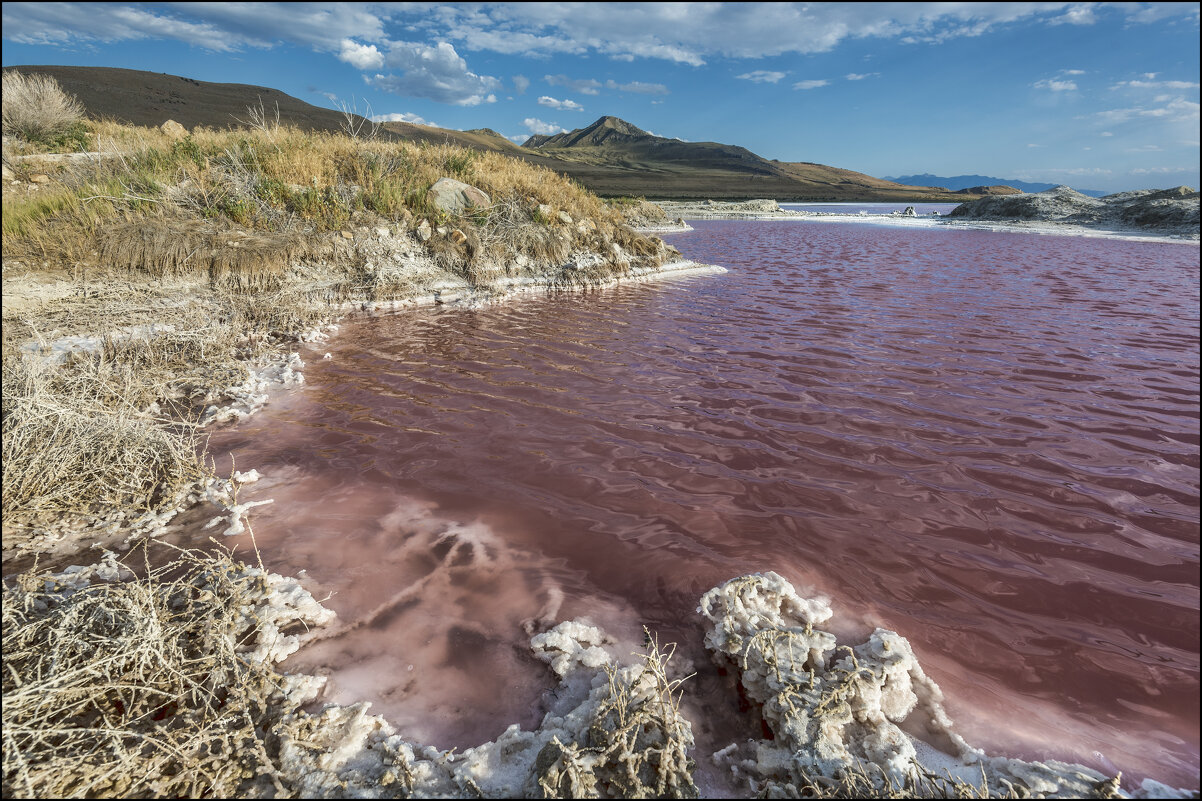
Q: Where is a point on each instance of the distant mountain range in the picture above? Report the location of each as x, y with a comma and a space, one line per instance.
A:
958, 182
610, 157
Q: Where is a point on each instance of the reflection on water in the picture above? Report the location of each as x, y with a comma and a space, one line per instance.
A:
985, 441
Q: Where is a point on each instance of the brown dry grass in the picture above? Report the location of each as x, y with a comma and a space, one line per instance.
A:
137, 688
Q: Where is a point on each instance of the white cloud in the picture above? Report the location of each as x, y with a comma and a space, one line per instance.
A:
361, 57
762, 76
1176, 110
585, 86
1155, 84
404, 116
810, 84
436, 73
519, 139
638, 87
693, 33
1034, 145
560, 105
687, 34
1106, 133
539, 127
1056, 86
859, 76
1159, 170
521, 83
1145, 149
1072, 72
1076, 15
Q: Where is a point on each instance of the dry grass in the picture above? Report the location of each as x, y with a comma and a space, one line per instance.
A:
636, 744
36, 108
137, 688
76, 446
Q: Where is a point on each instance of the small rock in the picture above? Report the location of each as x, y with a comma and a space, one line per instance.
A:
39, 178
565, 218
544, 211
442, 230
9, 175
458, 237
424, 232
347, 235
174, 129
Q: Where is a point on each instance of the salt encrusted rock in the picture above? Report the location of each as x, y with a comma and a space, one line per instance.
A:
835, 709
173, 129
456, 197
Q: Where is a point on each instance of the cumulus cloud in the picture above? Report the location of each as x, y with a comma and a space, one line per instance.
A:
560, 105
521, 83
435, 73
810, 84
537, 126
762, 76
361, 57
404, 116
1056, 86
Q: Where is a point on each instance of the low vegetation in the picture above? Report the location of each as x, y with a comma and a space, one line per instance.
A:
142, 278
37, 110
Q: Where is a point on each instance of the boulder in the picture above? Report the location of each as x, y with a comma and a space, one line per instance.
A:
174, 129
456, 197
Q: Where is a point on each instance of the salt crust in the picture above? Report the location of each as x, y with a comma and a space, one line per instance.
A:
830, 706
835, 709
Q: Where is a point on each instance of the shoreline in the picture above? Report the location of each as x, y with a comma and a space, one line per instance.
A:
770, 211
584, 737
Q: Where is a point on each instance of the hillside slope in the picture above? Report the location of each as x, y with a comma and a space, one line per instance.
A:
611, 157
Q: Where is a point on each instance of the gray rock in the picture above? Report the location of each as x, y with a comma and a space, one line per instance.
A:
424, 231
565, 218
1173, 211
456, 197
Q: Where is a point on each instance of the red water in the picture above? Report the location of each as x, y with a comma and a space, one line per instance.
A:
985, 441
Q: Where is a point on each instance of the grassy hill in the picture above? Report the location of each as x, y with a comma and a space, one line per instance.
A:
611, 157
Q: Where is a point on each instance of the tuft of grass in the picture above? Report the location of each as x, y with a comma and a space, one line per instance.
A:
636, 744
37, 109
138, 688
76, 445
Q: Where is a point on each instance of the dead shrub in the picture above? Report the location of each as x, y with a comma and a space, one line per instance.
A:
36, 108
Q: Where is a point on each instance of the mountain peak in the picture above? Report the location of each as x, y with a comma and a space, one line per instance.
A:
605, 129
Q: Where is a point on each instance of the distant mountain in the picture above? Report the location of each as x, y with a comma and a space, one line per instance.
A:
614, 157
969, 181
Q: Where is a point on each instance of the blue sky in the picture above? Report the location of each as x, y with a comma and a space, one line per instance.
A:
1095, 95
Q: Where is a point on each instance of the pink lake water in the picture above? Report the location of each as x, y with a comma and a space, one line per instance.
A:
985, 441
